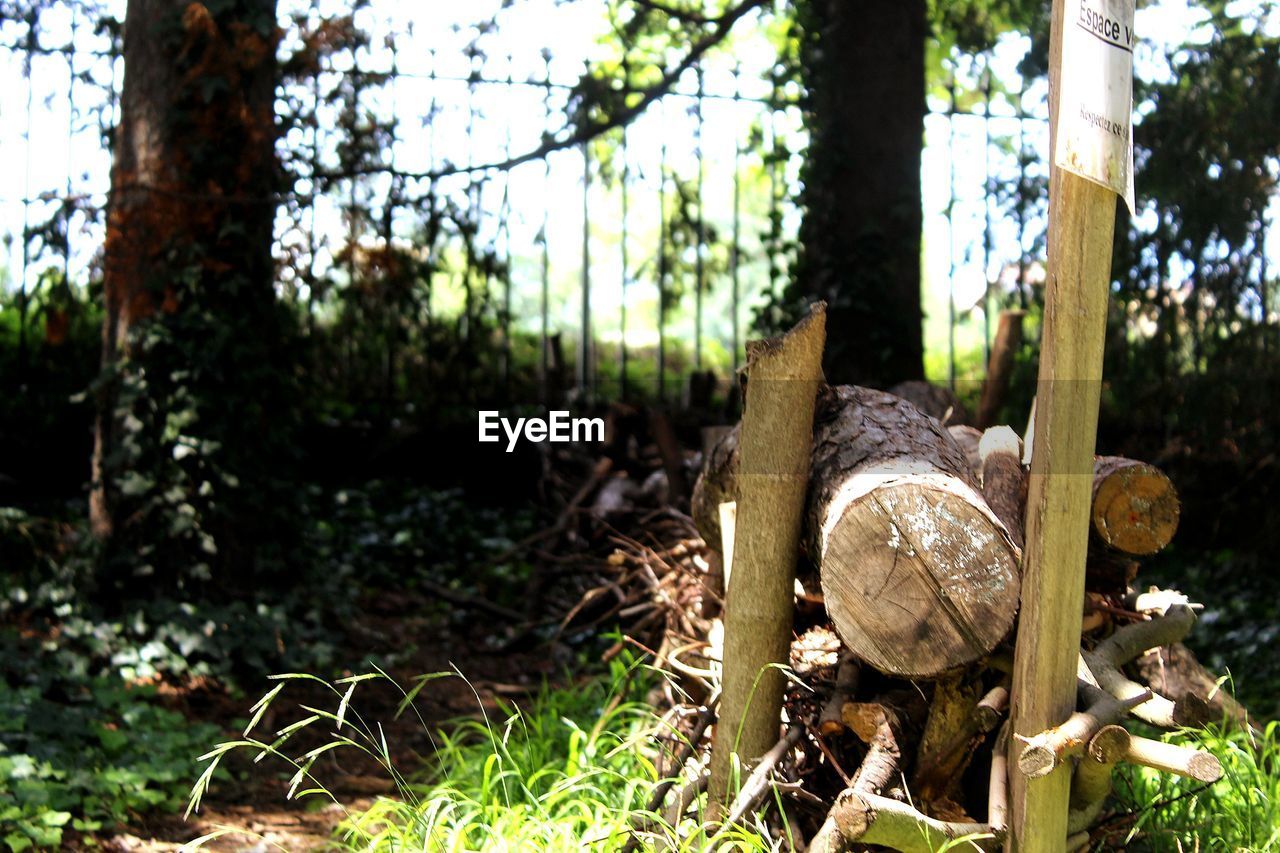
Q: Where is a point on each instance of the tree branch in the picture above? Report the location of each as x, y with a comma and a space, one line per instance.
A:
722, 24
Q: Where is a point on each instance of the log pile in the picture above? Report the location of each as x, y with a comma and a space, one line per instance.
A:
894, 730
914, 531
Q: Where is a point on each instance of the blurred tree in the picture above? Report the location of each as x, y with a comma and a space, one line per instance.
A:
864, 69
193, 397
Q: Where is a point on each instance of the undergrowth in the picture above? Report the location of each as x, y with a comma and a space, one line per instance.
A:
572, 768
1241, 811
91, 758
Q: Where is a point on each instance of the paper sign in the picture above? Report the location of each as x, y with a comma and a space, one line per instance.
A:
1095, 127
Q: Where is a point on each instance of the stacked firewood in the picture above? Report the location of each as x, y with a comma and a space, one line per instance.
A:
895, 721
913, 532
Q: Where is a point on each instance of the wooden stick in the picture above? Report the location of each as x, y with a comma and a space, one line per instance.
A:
1081, 224
1004, 480
831, 721
1174, 758
1092, 780
1091, 784
991, 707
861, 818
773, 478
878, 726
1128, 643
1000, 366
688, 794
757, 784
1047, 750
998, 785
687, 745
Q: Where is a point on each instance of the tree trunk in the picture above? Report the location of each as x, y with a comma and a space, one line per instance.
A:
918, 574
860, 237
191, 326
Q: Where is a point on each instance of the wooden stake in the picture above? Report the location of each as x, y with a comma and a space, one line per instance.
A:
776, 436
1081, 226
1000, 367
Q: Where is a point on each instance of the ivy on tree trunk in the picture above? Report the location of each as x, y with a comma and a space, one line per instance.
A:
194, 397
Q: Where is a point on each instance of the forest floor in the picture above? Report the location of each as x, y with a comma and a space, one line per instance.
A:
255, 813
399, 620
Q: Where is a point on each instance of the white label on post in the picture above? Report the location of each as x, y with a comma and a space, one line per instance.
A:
1095, 127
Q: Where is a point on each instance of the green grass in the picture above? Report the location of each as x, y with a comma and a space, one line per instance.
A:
1239, 812
572, 768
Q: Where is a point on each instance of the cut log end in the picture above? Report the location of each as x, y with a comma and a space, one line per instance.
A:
1135, 506
1037, 759
1109, 745
1205, 767
917, 566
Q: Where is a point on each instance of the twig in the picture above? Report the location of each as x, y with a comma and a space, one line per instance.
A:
862, 818
1045, 751
757, 783
1174, 758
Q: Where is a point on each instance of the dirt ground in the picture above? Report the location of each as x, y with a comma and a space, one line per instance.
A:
255, 808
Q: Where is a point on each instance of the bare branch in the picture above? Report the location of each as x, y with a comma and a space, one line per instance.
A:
722, 24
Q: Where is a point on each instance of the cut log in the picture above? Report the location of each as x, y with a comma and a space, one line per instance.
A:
1135, 506
918, 574
937, 402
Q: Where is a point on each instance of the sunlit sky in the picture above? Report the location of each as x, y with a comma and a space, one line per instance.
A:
52, 150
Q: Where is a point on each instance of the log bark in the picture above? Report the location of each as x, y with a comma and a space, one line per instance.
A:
918, 574
967, 439
1135, 506
717, 484
1000, 367
1173, 671
949, 733
776, 435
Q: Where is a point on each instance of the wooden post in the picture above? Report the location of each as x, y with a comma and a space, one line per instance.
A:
1081, 224
1000, 367
777, 431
